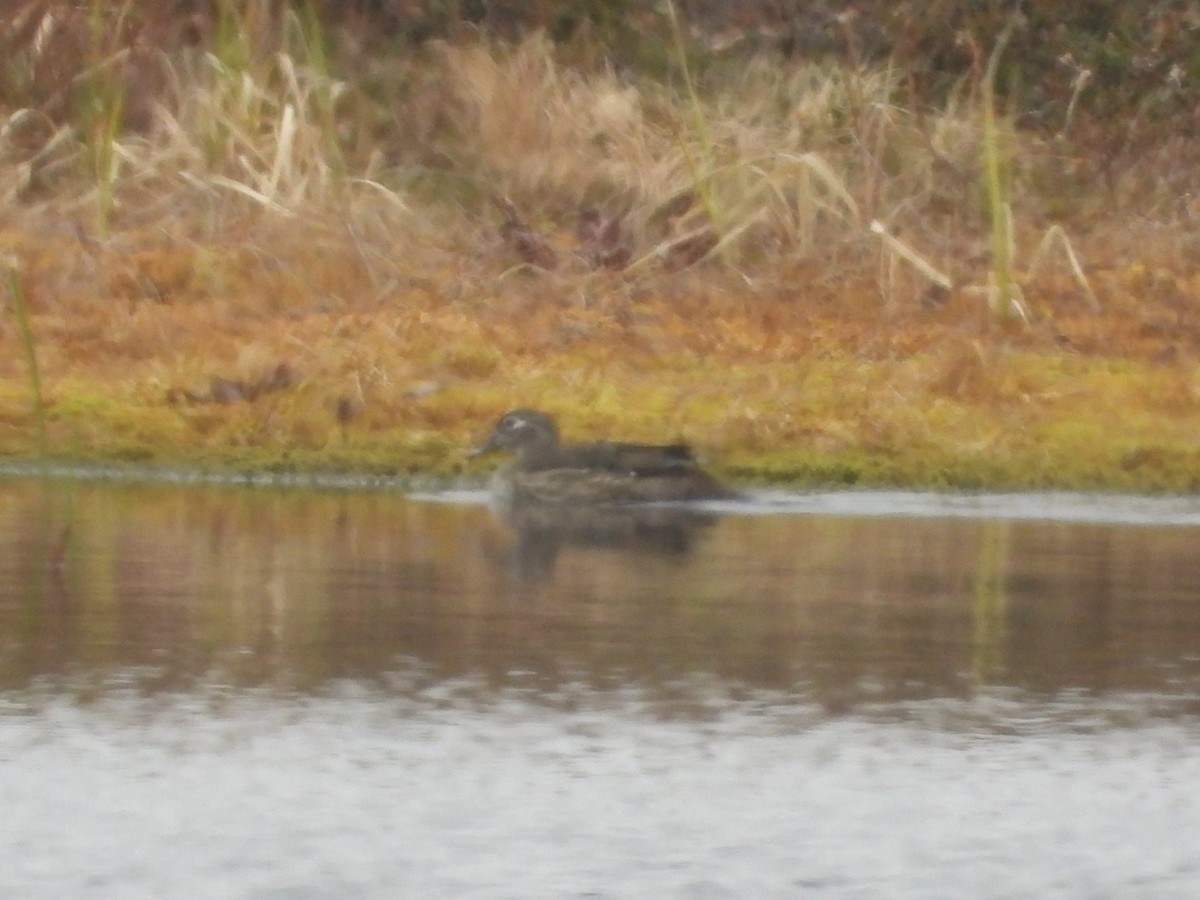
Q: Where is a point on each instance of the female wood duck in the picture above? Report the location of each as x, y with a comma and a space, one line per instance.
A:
546, 471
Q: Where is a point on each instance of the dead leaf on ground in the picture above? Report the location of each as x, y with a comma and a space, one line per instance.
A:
231, 390
529, 246
604, 244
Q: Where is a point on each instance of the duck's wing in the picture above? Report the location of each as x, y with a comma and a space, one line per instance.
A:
626, 459
651, 459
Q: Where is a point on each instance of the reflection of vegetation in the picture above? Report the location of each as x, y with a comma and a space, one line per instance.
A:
990, 609
164, 587
38, 603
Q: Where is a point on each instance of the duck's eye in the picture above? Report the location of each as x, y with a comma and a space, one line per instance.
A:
516, 423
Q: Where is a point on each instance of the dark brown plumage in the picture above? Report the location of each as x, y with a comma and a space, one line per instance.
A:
547, 471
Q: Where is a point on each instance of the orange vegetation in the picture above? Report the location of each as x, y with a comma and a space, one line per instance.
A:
805, 379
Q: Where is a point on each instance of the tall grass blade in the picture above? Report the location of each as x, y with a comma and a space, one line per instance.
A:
701, 174
1056, 233
902, 250
1002, 294
31, 364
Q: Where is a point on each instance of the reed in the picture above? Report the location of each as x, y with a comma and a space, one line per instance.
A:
29, 347
700, 170
1003, 291
101, 97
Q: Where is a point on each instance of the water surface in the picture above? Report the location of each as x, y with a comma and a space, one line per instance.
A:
296, 693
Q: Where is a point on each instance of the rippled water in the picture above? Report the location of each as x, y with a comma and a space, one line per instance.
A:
266, 693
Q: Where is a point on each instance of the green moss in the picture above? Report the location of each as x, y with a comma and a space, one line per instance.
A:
924, 442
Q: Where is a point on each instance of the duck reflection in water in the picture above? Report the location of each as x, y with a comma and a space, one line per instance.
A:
605, 494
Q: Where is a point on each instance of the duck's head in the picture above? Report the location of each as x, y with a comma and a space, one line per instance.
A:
520, 431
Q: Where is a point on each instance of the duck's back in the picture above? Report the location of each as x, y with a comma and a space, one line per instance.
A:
643, 460
614, 473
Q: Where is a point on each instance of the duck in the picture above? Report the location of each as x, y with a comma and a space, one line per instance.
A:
546, 471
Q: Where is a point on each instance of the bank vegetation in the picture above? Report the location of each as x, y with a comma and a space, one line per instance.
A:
841, 246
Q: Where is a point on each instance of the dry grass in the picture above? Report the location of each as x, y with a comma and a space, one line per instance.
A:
786, 270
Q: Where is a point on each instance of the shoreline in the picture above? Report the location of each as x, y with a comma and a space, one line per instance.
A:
1002, 507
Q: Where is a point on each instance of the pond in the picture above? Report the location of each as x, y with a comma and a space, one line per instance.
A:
257, 692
